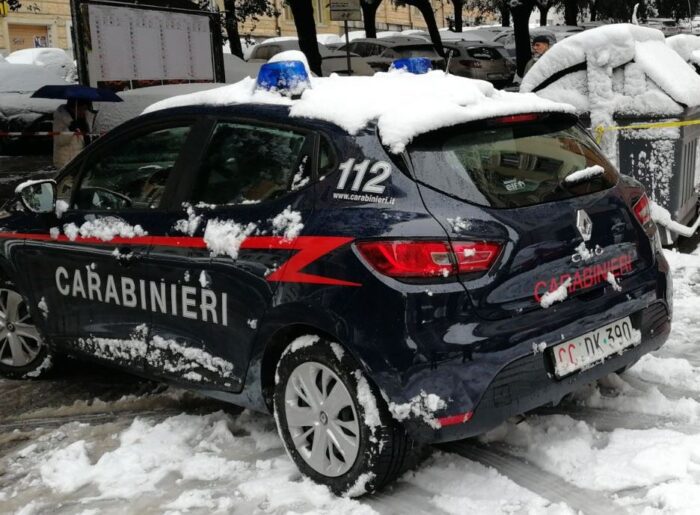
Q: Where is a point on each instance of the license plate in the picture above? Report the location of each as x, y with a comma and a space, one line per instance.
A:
583, 351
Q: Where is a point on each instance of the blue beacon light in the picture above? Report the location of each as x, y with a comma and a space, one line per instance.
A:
286, 77
417, 65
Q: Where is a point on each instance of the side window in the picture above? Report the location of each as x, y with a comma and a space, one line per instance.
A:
133, 175
66, 184
248, 164
326, 158
266, 51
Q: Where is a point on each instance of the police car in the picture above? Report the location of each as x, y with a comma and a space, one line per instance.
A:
379, 277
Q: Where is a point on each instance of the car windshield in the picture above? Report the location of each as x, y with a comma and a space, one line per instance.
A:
514, 164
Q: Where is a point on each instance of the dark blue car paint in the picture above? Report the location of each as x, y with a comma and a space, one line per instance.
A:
451, 337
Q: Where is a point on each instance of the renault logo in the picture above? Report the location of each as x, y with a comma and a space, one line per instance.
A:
584, 224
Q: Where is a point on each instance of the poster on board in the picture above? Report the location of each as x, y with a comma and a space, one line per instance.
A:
156, 46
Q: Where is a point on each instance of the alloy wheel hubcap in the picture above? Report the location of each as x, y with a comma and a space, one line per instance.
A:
322, 419
19, 340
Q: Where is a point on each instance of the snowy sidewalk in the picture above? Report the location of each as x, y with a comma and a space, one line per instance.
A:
630, 444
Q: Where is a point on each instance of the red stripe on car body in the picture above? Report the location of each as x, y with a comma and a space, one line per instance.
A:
308, 249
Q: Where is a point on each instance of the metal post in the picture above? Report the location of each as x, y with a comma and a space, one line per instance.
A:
347, 46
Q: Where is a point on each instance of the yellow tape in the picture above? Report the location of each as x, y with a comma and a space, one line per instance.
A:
600, 130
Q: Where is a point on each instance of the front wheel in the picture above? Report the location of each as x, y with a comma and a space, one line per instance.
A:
23, 352
333, 424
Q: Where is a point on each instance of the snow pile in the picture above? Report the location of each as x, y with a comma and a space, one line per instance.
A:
176, 358
459, 224
614, 282
188, 225
558, 295
226, 236
105, 229
288, 224
402, 104
585, 174
687, 46
422, 406
628, 70
583, 456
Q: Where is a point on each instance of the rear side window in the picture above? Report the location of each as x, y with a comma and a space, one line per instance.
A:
512, 165
484, 53
248, 164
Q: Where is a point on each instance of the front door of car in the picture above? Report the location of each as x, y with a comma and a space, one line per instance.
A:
243, 208
92, 272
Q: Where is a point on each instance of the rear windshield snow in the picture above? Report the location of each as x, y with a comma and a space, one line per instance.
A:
512, 165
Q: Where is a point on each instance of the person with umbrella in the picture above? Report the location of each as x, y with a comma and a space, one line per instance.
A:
75, 116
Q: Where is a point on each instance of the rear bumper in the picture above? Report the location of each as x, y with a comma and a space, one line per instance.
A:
528, 382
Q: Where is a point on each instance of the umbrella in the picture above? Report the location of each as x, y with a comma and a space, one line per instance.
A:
77, 92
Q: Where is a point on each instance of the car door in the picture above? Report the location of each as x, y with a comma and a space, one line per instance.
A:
243, 209
91, 273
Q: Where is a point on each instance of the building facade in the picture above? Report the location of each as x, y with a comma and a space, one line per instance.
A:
389, 17
36, 23
48, 22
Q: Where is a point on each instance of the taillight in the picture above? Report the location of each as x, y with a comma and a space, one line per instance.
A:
399, 258
475, 256
642, 210
517, 118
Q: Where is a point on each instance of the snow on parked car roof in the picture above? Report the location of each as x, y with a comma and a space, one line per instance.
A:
687, 46
610, 47
26, 78
402, 104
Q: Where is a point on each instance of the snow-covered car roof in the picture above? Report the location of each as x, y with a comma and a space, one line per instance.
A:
39, 57
687, 46
402, 104
580, 70
26, 78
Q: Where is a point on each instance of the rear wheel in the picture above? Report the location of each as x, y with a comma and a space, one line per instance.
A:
334, 425
23, 352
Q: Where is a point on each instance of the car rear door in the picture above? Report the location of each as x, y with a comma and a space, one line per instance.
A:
241, 208
513, 181
90, 271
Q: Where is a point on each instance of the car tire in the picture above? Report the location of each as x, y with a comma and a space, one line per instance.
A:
23, 352
351, 443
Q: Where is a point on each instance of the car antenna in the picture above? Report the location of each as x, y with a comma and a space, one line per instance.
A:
449, 59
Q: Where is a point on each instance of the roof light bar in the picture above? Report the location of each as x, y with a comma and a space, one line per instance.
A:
417, 65
286, 77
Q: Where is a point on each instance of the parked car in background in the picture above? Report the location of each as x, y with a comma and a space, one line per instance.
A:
55, 60
332, 61
480, 60
668, 26
695, 25
381, 52
19, 112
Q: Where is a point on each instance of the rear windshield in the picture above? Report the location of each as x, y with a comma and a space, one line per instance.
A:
484, 53
416, 51
512, 165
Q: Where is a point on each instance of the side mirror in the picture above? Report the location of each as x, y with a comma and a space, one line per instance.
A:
38, 196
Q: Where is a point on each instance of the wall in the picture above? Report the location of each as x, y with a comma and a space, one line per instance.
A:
52, 14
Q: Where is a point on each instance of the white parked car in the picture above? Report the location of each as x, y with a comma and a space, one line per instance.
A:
54, 59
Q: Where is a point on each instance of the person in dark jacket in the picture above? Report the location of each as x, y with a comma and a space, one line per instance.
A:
540, 45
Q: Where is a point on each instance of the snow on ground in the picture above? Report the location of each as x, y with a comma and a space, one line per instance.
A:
629, 444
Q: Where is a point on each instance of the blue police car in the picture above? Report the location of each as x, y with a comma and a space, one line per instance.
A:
378, 277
